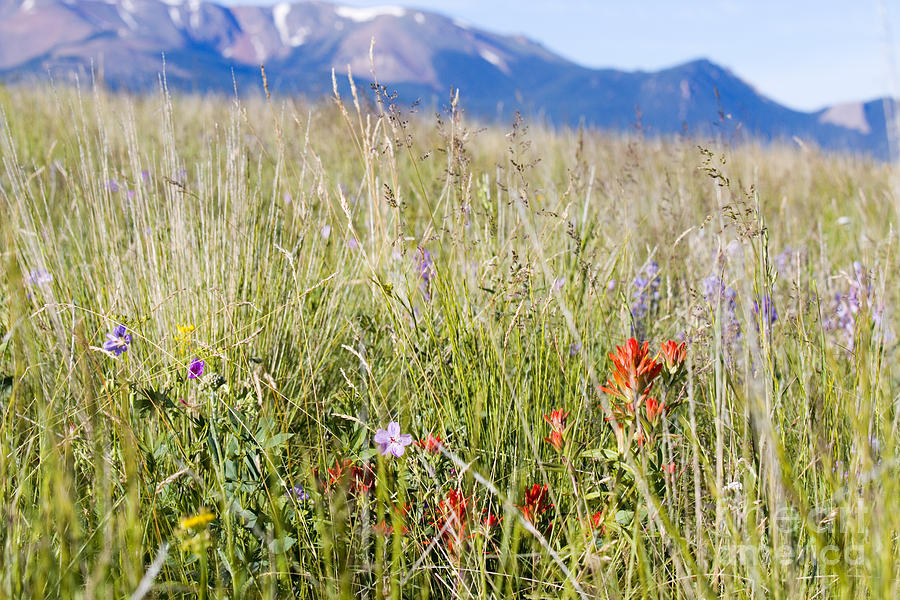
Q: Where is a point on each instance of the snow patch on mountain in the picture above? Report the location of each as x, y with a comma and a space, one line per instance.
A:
494, 59
361, 15
279, 15
851, 115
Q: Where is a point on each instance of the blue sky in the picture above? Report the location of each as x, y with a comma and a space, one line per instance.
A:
805, 54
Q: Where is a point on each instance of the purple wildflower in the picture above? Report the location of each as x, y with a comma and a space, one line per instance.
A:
117, 342
391, 441
145, 175
847, 305
195, 369
352, 243
769, 314
427, 271
298, 493
722, 301
39, 277
325, 231
113, 186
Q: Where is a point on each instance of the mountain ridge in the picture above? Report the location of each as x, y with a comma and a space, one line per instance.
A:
210, 47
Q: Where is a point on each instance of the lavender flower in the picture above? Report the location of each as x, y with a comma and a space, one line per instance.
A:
195, 369
113, 186
39, 277
298, 493
724, 299
117, 342
769, 314
325, 231
848, 304
427, 271
391, 441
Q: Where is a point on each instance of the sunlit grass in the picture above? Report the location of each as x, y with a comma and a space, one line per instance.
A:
337, 269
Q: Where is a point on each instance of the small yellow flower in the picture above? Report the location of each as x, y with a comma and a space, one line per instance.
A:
183, 335
201, 519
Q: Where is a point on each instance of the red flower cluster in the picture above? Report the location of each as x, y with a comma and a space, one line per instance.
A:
451, 519
633, 376
356, 479
673, 355
386, 529
537, 502
557, 421
430, 444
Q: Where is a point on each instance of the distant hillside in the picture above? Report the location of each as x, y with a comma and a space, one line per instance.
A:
423, 55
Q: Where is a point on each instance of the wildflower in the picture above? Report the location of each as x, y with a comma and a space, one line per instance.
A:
297, 492
673, 355
558, 284
325, 231
352, 243
451, 518
557, 421
113, 186
201, 519
430, 444
536, 503
858, 299
734, 486
195, 369
39, 277
595, 521
768, 313
359, 479
722, 301
654, 409
384, 529
633, 371
391, 441
574, 348
491, 520
426, 270
117, 342
669, 468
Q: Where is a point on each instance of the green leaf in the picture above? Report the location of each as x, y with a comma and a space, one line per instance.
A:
281, 545
275, 441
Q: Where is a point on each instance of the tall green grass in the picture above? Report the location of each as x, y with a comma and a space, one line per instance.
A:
283, 244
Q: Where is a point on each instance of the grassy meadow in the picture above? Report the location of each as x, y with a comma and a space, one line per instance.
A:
209, 308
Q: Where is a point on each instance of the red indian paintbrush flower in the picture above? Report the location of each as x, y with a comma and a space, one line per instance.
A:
357, 479
430, 444
634, 370
673, 355
451, 518
655, 409
536, 503
557, 421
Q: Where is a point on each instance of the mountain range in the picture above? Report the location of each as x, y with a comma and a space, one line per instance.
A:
422, 55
